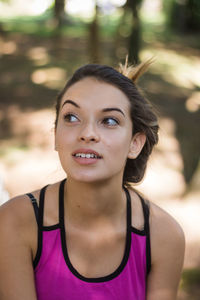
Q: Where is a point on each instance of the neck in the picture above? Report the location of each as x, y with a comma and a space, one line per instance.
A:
91, 202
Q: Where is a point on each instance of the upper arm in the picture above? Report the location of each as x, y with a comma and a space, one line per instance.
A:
167, 249
16, 269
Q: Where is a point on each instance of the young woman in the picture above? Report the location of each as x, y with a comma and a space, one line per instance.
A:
92, 236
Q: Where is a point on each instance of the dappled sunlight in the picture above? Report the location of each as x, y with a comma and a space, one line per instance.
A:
186, 212
32, 169
168, 144
116, 2
53, 78
36, 66
86, 8
175, 68
162, 183
193, 102
151, 10
31, 152
80, 8
7, 47
164, 177
39, 55
21, 7
35, 128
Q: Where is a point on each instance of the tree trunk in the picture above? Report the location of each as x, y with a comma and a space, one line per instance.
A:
134, 43
94, 38
59, 7
185, 16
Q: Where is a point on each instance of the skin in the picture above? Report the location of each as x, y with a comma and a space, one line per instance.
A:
96, 224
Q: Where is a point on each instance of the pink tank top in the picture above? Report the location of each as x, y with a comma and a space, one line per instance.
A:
57, 279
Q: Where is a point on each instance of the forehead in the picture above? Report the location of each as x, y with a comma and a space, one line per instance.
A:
93, 91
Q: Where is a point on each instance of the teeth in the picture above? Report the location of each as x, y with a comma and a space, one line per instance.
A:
88, 155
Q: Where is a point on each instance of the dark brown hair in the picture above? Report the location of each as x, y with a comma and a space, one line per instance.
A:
142, 115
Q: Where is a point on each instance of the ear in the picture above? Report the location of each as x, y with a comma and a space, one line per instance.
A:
137, 143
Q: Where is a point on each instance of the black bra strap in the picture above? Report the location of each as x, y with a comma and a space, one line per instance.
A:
39, 211
145, 207
61, 202
41, 206
129, 210
35, 206
40, 226
146, 212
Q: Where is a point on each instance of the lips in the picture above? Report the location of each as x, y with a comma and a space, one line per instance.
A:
86, 154
86, 157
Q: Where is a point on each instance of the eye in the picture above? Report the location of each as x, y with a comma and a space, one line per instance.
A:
110, 121
70, 118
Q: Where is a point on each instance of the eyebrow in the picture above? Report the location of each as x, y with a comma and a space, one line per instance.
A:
104, 109
113, 108
71, 102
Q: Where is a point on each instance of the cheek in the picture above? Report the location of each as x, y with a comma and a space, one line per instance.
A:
62, 141
119, 144
64, 136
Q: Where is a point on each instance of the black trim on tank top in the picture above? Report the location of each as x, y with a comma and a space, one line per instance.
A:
40, 226
138, 231
39, 212
64, 244
51, 227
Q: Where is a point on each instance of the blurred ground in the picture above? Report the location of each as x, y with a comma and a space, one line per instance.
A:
32, 71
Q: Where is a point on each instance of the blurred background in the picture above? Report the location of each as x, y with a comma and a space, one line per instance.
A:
43, 42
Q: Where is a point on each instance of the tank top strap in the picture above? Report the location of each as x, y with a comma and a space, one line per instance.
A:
61, 205
145, 208
146, 213
129, 210
41, 206
35, 205
40, 211
61, 202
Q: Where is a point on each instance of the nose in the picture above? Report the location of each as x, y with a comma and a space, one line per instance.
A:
89, 134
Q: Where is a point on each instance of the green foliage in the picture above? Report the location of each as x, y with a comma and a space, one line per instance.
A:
190, 278
182, 16
41, 25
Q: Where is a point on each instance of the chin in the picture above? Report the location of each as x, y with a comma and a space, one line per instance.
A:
84, 177
87, 178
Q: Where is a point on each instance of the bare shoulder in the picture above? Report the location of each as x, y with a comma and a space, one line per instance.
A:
167, 255
166, 233
167, 244
16, 215
163, 224
18, 239
16, 210
163, 227
18, 247
19, 209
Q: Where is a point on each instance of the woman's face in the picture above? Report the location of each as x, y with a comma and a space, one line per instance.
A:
94, 131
